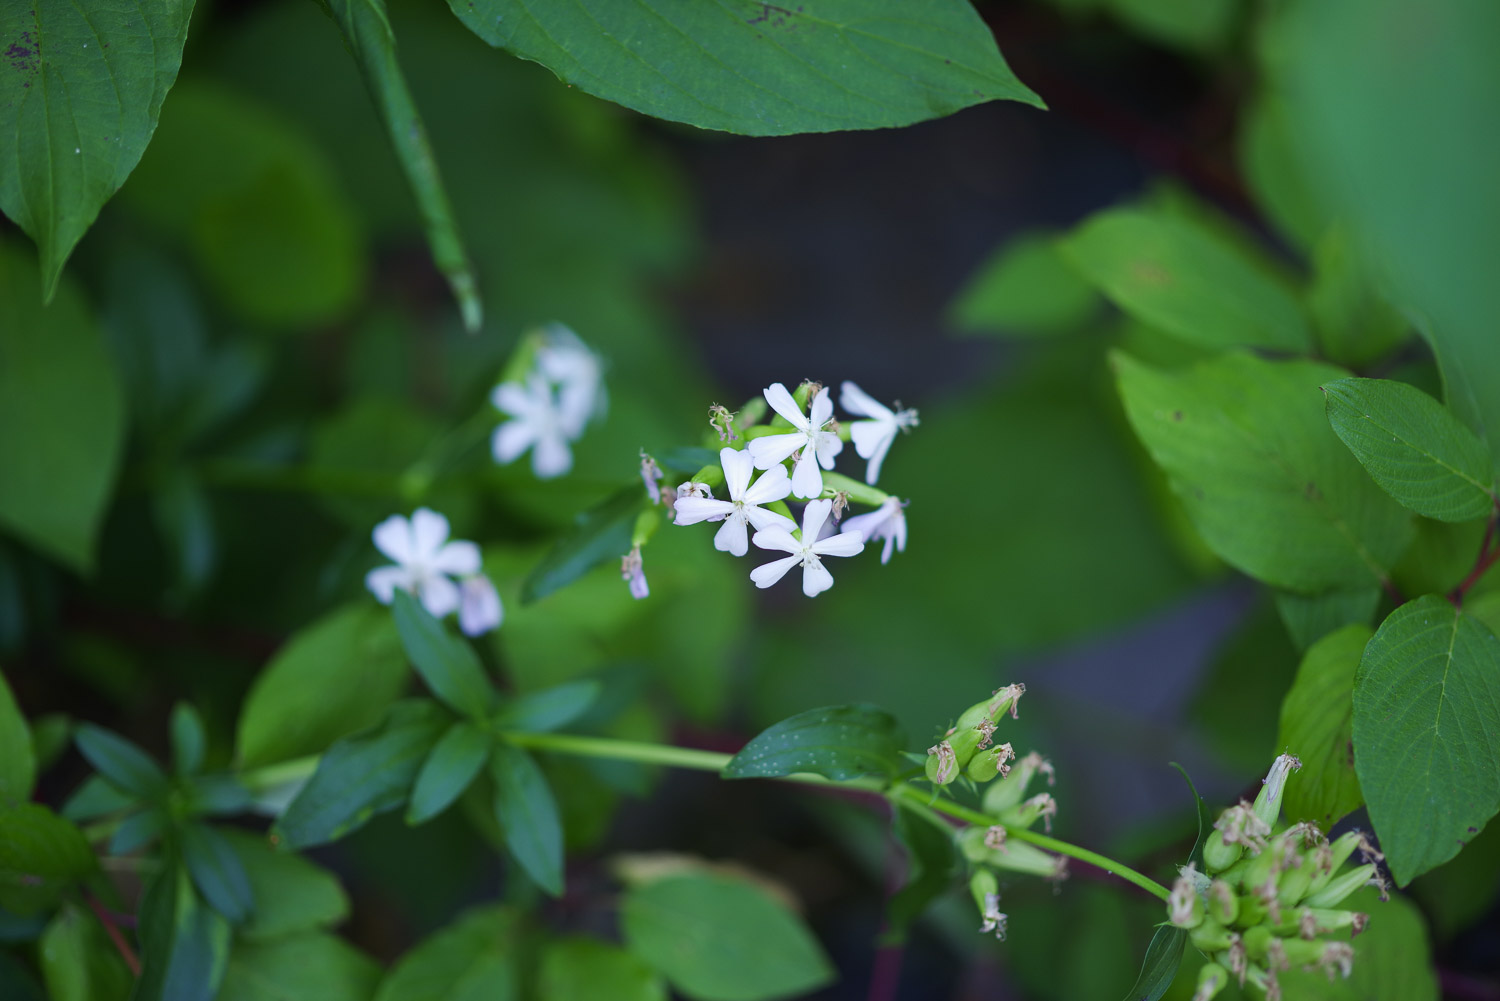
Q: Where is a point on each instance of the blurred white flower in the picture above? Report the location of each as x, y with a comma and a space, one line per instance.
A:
536, 423
888, 522
743, 506
634, 574
651, 475
479, 608
579, 377
818, 446
815, 577
872, 438
425, 561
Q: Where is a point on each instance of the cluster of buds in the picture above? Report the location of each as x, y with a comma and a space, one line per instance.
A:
1269, 897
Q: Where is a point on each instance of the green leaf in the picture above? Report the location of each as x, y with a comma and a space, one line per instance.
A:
95, 798
1188, 280
138, 830
79, 962
121, 763
291, 894
1025, 289
1316, 727
721, 939
548, 709
1426, 707
1195, 25
1200, 808
586, 969
473, 959
360, 776
217, 872
1459, 893
527, 814
62, 413
17, 756
1310, 617
41, 855
315, 967
1413, 447
184, 945
188, 739
837, 742
450, 666
602, 534
761, 70
1355, 326
367, 33
930, 861
1265, 482
332, 678
1159, 968
448, 770
80, 107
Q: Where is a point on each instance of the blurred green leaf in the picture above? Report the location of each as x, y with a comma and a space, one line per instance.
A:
17, 981
1159, 968
78, 960
1024, 289
316, 967
360, 776
602, 534
1413, 447
41, 856
1316, 727
1188, 24
369, 445
1440, 557
1270, 161
157, 334
1355, 326
62, 417
331, 679
81, 107
184, 518
184, 945
930, 862
473, 959
1310, 617
454, 762
761, 70
188, 739
448, 664
217, 872
527, 814
138, 830
1186, 279
717, 938
1426, 702
548, 709
1461, 891
586, 969
95, 798
17, 757
122, 763
837, 742
291, 894
1269, 489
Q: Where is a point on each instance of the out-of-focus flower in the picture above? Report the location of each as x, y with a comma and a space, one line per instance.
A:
872, 438
888, 522
536, 423
579, 377
633, 572
425, 561
479, 608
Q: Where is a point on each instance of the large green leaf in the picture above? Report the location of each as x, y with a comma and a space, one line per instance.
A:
1426, 711
759, 69
1024, 289
1159, 968
473, 959
1354, 324
1188, 280
291, 894
449, 665
62, 414
548, 709
586, 969
184, 944
17, 756
837, 742
1310, 617
1315, 726
332, 678
317, 967
716, 938
527, 814
41, 856
78, 104
1267, 484
1413, 447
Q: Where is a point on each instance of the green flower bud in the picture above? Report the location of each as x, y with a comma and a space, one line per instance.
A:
942, 766
1339, 852
991, 762
1268, 803
1252, 911
1185, 906
986, 891
1331, 957
1295, 882
1209, 936
1039, 807
1265, 869
983, 884
984, 846
1218, 854
1011, 789
1257, 942
1223, 902
1339, 887
1313, 922
1212, 978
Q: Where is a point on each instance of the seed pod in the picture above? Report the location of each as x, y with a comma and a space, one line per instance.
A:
1335, 890
990, 763
1219, 855
942, 765
1257, 942
1011, 789
1209, 936
1268, 802
1223, 903
1184, 906
1212, 978
1039, 807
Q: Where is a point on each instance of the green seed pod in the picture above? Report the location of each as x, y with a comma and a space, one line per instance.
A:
1269, 865
1039, 807
986, 892
942, 765
1209, 936
1217, 855
1018, 856
990, 763
1011, 789
1268, 802
1294, 882
1335, 890
1223, 903
1339, 852
1252, 911
1212, 978
983, 884
1314, 922
1257, 942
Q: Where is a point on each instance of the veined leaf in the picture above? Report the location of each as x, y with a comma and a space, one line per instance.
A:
1315, 726
837, 742
527, 814
184, 944
586, 969
450, 666
292, 895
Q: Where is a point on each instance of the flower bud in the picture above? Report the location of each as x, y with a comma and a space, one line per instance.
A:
1218, 854
942, 765
1041, 806
1212, 978
1223, 902
1257, 942
991, 762
1011, 789
986, 892
1268, 803
1339, 887
1339, 852
1209, 936
981, 846
1239, 825
1313, 922
1184, 906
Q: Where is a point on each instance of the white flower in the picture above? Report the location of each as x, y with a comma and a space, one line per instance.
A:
872, 438
815, 577
424, 560
479, 608
536, 423
634, 574
888, 522
569, 364
742, 508
818, 446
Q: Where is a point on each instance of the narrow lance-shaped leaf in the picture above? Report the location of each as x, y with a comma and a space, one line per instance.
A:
758, 68
367, 32
448, 770
448, 664
121, 762
79, 100
184, 944
475, 957
1413, 447
217, 872
527, 814
602, 534
549, 708
837, 742
1159, 969
17, 759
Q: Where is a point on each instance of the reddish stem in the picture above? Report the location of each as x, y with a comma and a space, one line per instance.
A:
1486, 559
107, 920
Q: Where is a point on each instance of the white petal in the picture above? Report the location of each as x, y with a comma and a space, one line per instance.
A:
774, 485
872, 471
738, 466
781, 401
828, 446
575, 405
821, 411
856, 401
511, 439
551, 457
774, 448
847, 544
867, 436
480, 610
513, 399
764, 520
813, 517
691, 510
869, 525
457, 558
732, 537
393, 537
890, 542
429, 530
775, 538
769, 573
639, 589
439, 595
807, 481
383, 582
899, 533
815, 578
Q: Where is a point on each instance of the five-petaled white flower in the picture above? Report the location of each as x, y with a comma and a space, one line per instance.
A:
536, 423
633, 572
818, 445
815, 577
872, 438
569, 364
425, 561
742, 508
479, 608
888, 522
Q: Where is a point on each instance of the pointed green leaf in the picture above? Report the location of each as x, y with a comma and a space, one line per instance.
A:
188, 739
315, 967
1159, 968
1426, 711
586, 969
120, 762
78, 960
291, 894
184, 944
217, 872
448, 770
41, 856
1316, 727
1413, 447
548, 709
602, 534
79, 100
449, 665
473, 959
527, 814
1392, 958
1025, 289
837, 742
17, 757
1310, 617
138, 830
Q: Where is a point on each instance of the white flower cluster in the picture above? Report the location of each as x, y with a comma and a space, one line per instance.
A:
550, 405
426, 564
811, 447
